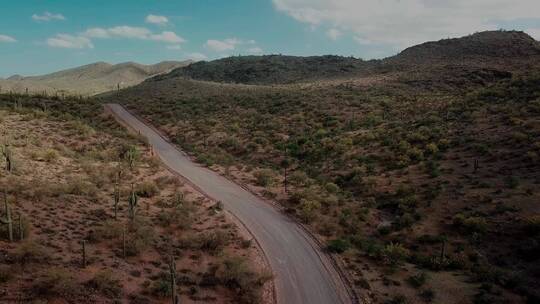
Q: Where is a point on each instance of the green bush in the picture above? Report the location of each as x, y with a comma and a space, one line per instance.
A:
6, 273
338, 245
394, 254
236, 274
470, 225
417, 280
108, 285
56, 282
147, 189
264, 177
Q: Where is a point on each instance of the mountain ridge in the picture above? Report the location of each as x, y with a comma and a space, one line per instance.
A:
90, 79
477, 50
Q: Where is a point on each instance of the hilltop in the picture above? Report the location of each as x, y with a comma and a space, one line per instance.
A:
89, 79
495, 49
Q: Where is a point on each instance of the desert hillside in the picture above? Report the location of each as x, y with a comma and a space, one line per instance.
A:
94, 217
494, 49
419, 171
89, 79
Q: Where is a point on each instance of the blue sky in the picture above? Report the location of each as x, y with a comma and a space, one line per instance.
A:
40, 36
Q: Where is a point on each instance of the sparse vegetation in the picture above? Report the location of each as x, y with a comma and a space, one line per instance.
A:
68, 167
382, 157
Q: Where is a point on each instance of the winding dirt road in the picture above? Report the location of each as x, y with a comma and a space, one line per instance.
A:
303, 274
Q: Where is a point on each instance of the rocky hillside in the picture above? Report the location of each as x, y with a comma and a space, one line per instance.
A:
499, 50
89, 79
483, 47
276, 69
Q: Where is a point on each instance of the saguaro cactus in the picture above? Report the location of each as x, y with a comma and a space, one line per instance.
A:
131, 156
84, 253
133, 201
21, 230
9, 158
7, 220
117, 195
172, 271
124, 242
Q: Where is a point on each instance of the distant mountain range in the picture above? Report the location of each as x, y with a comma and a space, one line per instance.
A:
89, 79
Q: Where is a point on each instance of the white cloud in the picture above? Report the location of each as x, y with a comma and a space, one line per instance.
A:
534, 32
70, 42
255, 50
362, 41
125, 31
131, 32
97, 32
168, 37
333, 34
229, 44
6, 38
46, 16
197, 56
404, 23
155, 19
220, 46
175, 47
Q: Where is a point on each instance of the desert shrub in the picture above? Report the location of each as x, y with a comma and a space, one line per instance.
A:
108, 231
264, 177
432, 148
56, 282
417, 280
404, 221
78, 186
298, 178
236, 274
398, 299
532, 225
338, 245
427, 295
161, 286
30, 252
511, 182
470, 224
81, 128
331, 188
181, 216
211, 242
308, 209
6, 273
50, 155
139, 238
105, 282
394, 254
147, 189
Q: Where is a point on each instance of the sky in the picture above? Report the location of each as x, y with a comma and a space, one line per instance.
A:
43, 36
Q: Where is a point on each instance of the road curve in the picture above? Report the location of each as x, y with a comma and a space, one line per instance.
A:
302, 273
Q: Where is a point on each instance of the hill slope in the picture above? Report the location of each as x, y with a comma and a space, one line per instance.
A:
89, 79
426, 164
272, 69
477, 50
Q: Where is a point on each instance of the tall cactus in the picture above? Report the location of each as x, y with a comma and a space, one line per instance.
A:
133, 201
83, 253
21, 229
7, 220
117, 195
131, 156
172, 271
9, 158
